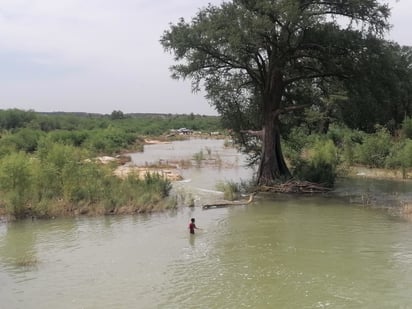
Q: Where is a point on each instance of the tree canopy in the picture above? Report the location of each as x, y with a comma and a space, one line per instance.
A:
260, 60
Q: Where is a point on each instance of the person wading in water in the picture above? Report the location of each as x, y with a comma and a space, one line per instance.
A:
192, 226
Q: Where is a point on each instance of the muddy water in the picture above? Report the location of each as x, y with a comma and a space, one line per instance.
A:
279, 252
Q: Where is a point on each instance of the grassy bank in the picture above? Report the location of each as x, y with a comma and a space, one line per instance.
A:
61, 180
47, 170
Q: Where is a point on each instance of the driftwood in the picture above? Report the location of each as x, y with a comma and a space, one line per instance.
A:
294, 186
259, 133
229, 203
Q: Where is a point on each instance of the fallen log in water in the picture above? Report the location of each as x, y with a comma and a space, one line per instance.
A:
229, 203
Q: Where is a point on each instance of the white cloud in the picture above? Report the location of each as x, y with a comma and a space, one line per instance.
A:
401, 21
102, 55
108, 52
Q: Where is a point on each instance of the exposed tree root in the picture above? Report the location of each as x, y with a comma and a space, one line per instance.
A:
294, 186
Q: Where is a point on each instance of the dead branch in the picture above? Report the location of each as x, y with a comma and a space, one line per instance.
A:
294, 186
259, 133
229, 203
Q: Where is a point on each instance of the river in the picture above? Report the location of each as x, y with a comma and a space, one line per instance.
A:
279, 252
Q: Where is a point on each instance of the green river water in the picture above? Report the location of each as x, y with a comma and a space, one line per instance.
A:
279, 252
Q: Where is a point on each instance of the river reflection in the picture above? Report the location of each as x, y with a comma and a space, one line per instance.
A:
279, 252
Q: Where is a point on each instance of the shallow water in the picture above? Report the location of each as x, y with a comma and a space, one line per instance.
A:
279, 252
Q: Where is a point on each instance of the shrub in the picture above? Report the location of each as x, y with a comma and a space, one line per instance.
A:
73, 138
407, 127
198, 157
322, 173
319, 165
109, 140
143, 192
345, 140
16, 182
59, 166
24, 140
231, 190
84, 182
374, 149
401, 156
296, 140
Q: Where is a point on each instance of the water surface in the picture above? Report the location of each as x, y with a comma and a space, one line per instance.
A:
279, 252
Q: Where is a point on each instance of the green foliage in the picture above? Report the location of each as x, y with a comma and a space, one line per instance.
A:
141, 193
22, 140
374, 148
13, 119
46, 167
295, 141
405, 154
230, 189
60, 177
109, 140
75, 138
116, 115
7, 146
401, 156
324, 151
322, 173
319, 164
148, 124
261, 60
346, 140
16, 182
379, 90
407, 127
198, 157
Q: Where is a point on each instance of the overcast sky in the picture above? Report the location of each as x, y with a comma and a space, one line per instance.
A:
97, 56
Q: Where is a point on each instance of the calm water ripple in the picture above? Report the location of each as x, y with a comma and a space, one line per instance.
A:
279, 252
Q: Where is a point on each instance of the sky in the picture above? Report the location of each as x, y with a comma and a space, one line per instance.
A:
97, 56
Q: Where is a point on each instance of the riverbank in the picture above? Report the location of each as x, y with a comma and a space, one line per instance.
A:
208, 159
392, 202
379, 173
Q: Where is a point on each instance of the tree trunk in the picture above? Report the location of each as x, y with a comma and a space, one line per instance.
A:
272, 166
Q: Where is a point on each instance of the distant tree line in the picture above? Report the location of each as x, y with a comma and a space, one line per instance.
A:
108, 134
47, 165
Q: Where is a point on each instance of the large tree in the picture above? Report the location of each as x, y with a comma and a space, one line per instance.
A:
256, 58
381, 90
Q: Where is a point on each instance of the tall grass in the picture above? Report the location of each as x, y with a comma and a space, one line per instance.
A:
230, 189
58, 180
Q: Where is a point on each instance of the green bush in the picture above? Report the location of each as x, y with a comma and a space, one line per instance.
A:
320, 163
407, 128
74, 138
16, 182
141, 193
109, 141
14, 119
230, 189
198, 157
401, 156
344, 139
296, 140
324, 151
374, 149
322, 172
23, 140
